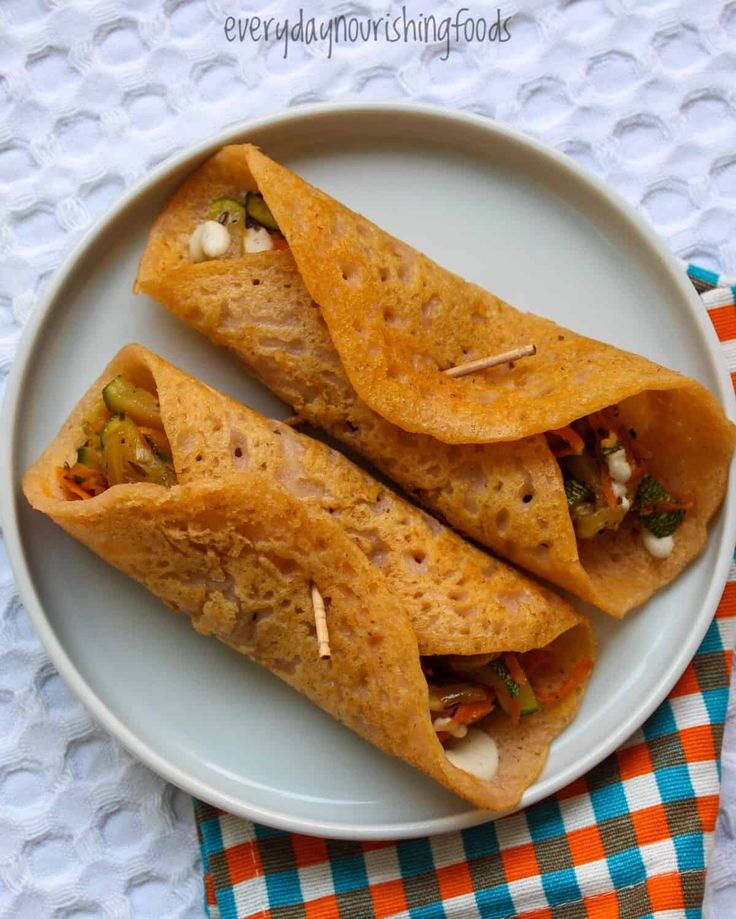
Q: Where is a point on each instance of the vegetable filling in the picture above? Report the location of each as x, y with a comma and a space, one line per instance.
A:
463, 690
606, 479
125, 442
234, 226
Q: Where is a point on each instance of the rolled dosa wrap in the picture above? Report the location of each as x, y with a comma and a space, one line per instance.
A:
455, 594
239, 552
510, 497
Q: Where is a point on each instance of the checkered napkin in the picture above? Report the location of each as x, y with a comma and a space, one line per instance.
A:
628, 839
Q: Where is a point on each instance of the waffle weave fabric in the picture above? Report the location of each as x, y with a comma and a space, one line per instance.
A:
628, 839
95, 93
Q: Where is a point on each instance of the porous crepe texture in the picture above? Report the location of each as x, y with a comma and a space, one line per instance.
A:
238, 553
459, 598
507, 496
397, 320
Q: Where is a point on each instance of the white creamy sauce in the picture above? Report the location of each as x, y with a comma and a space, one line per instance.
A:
257, 239
195, 244
658, 546
476, 753
215, 239
209, 240
618, 466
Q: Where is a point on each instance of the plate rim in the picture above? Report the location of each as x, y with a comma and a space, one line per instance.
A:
10, 495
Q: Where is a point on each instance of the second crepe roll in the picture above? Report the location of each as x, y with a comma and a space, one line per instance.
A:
592, 507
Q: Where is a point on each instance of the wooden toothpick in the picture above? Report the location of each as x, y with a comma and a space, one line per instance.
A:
320, 620
483, 363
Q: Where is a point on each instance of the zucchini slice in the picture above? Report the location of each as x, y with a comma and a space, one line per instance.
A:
95, 418
576, 492
227, 211
127, 457
118, 447
497, 676
90, 457
660, 523
109, 428
527, 699
259, 211
122, 397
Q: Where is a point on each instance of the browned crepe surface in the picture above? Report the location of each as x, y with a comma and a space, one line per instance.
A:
397, 320
507, 496
237, 553
457, 596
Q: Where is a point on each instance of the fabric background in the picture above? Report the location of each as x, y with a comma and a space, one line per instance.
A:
93, 93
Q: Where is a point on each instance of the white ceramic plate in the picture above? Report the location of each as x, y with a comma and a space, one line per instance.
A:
493, 206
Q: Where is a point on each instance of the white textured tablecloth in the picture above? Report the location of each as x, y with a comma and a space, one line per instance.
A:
93, 94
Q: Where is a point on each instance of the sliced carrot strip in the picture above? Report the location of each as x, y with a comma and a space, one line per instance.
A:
509, 703
628, 441
677, 505
84, 472
514, 668
75, 489
599, 421
611, 499
646, 509
469, 712
92, 480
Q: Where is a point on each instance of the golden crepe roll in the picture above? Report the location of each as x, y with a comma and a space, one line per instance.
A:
216, 511
579, 520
